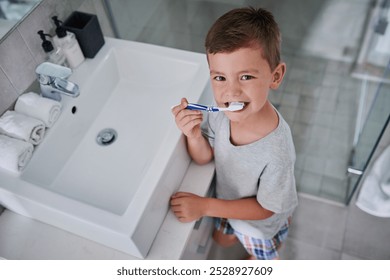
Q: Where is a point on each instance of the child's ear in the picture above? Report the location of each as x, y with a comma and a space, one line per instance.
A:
277, 75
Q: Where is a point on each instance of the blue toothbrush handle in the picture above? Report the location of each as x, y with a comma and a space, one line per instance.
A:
193, 106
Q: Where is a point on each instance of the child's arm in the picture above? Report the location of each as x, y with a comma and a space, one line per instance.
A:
189, 207
188, 121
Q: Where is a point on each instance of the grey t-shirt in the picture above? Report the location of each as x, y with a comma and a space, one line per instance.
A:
263, 169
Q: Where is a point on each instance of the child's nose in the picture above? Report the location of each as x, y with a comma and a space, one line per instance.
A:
234, 88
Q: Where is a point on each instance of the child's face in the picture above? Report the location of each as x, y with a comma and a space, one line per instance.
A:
243, 76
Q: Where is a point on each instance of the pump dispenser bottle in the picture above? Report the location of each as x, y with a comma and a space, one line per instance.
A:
54, 55
67, 41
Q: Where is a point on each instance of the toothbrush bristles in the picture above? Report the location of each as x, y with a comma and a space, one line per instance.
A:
235, 106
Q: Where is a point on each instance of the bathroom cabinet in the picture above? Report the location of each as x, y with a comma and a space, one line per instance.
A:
200, 240
192, 240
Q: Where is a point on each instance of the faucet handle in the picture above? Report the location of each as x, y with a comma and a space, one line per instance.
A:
53, 81
52, 70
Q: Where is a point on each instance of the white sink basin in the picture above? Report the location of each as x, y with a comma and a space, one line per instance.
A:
116, 194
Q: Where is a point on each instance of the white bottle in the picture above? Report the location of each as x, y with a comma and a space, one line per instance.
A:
67, 42
54, 55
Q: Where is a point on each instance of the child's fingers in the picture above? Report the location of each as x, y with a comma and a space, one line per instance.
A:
182, 114
187, 120
184, 102
190, 122
182, 194
178, 108
176, 209
177, 199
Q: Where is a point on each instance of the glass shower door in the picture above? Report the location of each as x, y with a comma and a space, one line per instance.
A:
371, 133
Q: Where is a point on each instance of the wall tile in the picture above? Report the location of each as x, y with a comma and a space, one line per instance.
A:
75, 4
17, 61
8, 94
96, 7
38, 20
62, 9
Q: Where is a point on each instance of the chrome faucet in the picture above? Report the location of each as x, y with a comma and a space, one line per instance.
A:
53, 81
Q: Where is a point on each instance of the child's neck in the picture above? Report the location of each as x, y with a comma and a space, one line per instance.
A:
255, 127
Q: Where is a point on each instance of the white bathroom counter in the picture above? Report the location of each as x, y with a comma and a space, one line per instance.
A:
25, 238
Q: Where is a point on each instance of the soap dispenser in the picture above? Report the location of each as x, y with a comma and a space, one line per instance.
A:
68, 43
53, 55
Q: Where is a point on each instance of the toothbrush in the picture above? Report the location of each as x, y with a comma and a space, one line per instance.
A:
233, 106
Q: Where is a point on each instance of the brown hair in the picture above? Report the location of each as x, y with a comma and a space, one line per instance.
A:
246, 27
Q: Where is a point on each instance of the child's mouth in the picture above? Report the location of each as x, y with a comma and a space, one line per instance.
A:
227, 104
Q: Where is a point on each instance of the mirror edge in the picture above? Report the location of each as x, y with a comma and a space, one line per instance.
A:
12, 29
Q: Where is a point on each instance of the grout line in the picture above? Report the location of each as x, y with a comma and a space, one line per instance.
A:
321, 199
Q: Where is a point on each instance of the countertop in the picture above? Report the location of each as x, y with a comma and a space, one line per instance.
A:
28, 239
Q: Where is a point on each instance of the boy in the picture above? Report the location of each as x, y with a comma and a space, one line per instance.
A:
252, 148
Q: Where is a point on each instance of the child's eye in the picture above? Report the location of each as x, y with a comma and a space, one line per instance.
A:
246, 77
219, 78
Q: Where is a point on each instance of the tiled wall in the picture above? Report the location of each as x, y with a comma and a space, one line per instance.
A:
21, 51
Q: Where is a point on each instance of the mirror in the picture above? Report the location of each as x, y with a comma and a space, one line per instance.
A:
12, 12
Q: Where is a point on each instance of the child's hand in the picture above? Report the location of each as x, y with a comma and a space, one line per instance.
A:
188, 121
188, 207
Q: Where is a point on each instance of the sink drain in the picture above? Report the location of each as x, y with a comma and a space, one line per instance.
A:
106, 137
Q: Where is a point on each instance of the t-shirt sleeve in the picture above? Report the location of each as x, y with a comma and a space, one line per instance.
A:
277, 190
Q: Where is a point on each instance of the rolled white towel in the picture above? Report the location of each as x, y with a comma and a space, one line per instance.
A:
22, 127
41, 108
15, 153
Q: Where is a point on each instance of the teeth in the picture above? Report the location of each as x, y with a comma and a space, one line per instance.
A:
227, 104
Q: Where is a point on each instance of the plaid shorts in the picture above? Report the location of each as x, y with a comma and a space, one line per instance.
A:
262, 249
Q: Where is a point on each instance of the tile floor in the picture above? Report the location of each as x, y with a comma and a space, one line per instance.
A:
319, 101
322, 230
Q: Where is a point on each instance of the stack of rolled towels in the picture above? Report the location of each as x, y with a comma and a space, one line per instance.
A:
24, 127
